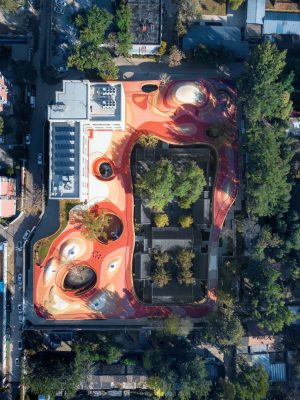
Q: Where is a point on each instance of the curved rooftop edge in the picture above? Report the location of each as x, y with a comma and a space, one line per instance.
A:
112, 116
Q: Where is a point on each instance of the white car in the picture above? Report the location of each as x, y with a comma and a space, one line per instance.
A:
60, 3
20, 308
28, 138
26, 235
20, 318
20, 345
17, 361
19, 246
62, 68
59, 10
40, 159
20, 279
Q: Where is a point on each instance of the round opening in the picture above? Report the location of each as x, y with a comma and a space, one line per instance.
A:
105, 170
113, 230
148, 88
80, 279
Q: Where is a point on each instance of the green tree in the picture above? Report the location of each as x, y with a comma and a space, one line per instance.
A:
52, 373
188, 11
267, 298
161, 220
156, 185
94, 227
174, 325
111, 354
123, 23
163, 48
184, 260
148, 141
225, 390
194, 383
161, 277
252, 383
92, 25
93, 58
265, 241
185, 221
190, 181
1, 125
268, 190
264, 90
223, 328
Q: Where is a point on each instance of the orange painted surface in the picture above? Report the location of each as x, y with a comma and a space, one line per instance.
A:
167, 114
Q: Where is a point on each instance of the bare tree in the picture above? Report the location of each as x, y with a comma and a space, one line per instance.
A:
164, 78
32, 200
175, 57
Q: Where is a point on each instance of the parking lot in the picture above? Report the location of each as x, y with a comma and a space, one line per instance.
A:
64, 34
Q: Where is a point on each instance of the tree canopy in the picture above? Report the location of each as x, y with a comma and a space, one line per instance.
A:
184, 261
92, 25
264, 90
176, 372
156, 185
94, 227
267, 297
87, 54
252, 383
166, 180
190, 182
268, 189
123, 23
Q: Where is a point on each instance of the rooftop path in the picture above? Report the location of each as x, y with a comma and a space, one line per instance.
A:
177, 113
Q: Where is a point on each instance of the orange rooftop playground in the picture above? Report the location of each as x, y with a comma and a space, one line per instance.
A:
96, 125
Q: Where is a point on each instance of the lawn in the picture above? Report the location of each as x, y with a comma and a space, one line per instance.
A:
43, 245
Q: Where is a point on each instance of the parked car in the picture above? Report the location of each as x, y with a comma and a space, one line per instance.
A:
19, 246
59, 10
20, 345
21, 318
60, 3
20, 308
27, 138
20, 279
62, 68
17, 362
40, 159
26, 235
32, 101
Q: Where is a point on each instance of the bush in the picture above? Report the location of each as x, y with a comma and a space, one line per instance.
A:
175, 57
185, 221
161, 220
148, 141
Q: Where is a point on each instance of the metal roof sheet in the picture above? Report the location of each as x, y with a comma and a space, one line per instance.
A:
255, 11
281, 23
277, 372
215, 37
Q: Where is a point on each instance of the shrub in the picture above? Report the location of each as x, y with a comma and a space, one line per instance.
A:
185, 221
161, 220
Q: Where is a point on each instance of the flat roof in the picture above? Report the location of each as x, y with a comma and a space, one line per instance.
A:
282, 23
71, 102
255, 11
64, 160
216, 36
105, 101
146, 21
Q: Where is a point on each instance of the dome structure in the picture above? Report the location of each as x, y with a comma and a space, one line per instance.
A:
188, 93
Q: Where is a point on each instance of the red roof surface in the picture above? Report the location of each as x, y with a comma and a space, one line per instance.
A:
7, 197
